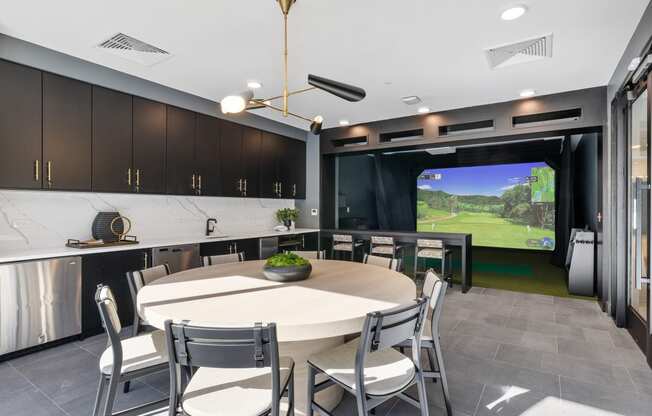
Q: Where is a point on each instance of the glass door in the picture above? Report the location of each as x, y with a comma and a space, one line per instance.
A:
639, 207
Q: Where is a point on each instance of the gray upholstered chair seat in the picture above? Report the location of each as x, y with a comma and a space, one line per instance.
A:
388, 250
138, 352
432, 253
343, 246
385, 372
232, 391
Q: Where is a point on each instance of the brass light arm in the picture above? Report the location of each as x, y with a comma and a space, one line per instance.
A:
260, 104
290, 93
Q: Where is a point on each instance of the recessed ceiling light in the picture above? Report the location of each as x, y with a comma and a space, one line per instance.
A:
513, 13
411, 100
344, 122
254, 85
527, 93
423, 110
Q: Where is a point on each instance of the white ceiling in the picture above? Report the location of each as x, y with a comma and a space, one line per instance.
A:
430, 48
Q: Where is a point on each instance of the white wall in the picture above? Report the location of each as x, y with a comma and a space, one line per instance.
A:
42, 219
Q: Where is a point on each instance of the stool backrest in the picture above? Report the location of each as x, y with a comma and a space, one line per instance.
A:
139, 278
316, 255
435, 289
342, 238
223, 259
429, 243
381, 240
385, 262
108, 308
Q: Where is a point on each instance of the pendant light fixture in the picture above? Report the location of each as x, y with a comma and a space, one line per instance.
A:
237, 103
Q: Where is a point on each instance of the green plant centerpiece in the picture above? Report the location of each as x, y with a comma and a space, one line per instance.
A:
287, 215
287, 267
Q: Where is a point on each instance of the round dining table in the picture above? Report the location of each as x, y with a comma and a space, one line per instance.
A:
312, 315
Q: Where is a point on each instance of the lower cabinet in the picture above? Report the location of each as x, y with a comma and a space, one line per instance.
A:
108, 269
250, 247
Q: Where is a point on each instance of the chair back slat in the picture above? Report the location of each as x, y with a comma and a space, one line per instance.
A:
432, 288
385, 262
389, 328
223, 259
200, 346
140, 278
381, 240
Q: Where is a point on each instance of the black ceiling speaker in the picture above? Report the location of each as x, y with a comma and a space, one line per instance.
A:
344, 91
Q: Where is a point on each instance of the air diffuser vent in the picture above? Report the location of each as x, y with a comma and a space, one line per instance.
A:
134, 49
520, 52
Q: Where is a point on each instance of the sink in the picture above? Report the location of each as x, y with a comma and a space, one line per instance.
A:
216, 236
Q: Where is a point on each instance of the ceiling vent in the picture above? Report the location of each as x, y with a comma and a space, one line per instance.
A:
520, 52
134, 50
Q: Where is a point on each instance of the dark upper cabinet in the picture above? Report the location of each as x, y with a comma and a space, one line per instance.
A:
112, 141
231, 158
20, 126
67, 134
207, 152
180, 158
251, 154
295, 171
149, 149
270, 184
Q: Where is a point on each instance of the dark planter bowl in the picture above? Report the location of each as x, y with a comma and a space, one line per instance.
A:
288, 273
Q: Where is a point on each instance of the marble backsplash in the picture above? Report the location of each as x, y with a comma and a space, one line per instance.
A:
40, 219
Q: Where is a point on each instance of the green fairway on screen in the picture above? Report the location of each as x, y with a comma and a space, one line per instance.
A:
509, 206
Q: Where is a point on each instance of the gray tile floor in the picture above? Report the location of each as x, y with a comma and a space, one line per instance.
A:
506, 354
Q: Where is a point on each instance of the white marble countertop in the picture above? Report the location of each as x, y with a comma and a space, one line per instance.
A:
23, 254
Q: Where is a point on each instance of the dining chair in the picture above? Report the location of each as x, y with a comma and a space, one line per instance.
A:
344, 243
233, 371
223, 259
433, 249
369, 367
385, 262
136, 280
315, 255
124, 360
435, 290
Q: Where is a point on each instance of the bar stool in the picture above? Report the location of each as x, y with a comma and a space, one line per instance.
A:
344, 243
383, 246
433, 249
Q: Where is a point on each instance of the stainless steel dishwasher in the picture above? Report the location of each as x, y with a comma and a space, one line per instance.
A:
40, 301
179, 258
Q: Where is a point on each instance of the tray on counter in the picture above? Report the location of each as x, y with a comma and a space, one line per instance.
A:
126, 240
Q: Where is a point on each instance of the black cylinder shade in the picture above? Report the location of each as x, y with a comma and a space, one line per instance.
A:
344, 91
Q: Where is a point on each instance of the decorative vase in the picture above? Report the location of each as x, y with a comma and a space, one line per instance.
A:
287, 273
287, 223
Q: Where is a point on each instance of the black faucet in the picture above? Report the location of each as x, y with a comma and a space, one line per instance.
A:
210, 226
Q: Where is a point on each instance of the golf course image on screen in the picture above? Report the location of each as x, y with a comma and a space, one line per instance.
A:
509, 206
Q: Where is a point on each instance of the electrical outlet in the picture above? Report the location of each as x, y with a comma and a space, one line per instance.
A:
314, 212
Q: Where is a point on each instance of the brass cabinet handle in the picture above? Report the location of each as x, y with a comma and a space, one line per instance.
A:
129, 176
199, 184
49, 173
245, 187
36, 170
280, 189
294, 190
137, 180
240, 185
193, 181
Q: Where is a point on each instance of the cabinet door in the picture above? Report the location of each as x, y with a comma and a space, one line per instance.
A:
251, 150
294, 169
67, 135
150, 119
180, 152
231, 158
112, 141
269, 166
287, 167
20, 126
207, 151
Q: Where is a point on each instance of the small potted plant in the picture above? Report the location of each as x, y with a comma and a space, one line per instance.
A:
287, 216
287, 267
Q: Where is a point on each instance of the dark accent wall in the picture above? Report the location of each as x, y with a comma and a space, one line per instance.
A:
586, 182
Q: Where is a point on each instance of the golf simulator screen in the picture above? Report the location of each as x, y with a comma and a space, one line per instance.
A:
509, 206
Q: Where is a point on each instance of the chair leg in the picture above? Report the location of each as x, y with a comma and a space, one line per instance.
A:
431, 361
110, 396
416, 264
291, 395
423, 396
442, 372
100, 396
312, 374
125, 387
